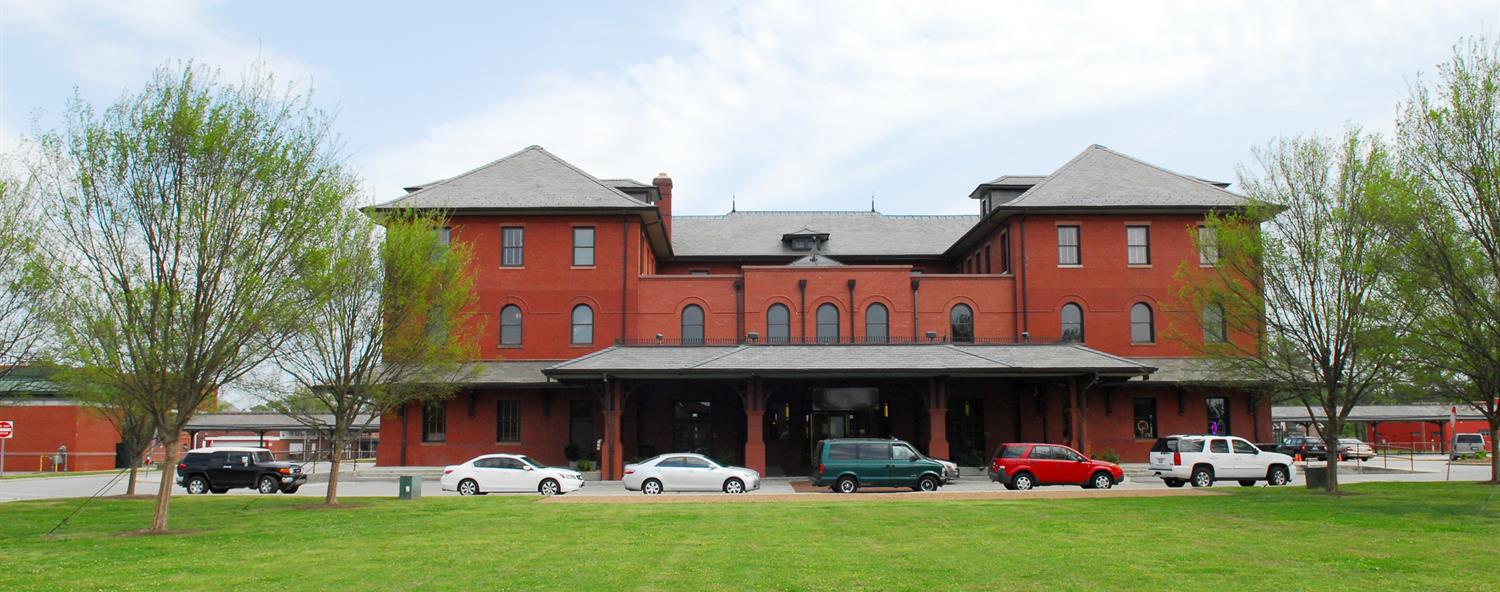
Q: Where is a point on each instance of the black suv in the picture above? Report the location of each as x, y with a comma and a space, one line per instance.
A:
219, 470
1310, 447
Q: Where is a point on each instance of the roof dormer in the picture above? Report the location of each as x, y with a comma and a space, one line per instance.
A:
805, 239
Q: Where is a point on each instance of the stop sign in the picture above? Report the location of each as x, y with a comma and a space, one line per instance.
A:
6, 429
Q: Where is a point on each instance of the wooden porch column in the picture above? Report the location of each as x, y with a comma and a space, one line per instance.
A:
1075, 415
611, 453
755, 412
937, 418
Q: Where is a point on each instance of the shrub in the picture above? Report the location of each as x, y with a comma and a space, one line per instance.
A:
585, 465
571, 451
1108, 454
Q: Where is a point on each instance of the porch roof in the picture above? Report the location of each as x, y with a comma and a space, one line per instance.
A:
946, 359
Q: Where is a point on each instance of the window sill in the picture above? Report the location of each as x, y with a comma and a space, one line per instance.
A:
1207, 265
583, 267
580, 345
513, 267
1143, 344
504, 443
508, 346
1070, 266
433, 442
1139, 265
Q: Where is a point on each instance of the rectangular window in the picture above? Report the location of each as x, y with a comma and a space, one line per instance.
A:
1004, 252
1208, 246
445, 236
1145, 418
1138, 244
512, 249
508, 421
434, 422
583, 246
987, 258
1067, 246
1218, 415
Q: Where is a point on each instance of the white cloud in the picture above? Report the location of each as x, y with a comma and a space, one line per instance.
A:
786, 100
114, 45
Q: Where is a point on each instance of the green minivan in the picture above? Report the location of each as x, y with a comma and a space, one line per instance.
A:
847, 464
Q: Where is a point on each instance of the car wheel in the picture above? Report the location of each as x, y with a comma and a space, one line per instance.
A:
468, 487
846, 485
1174, 482
1023, 482
1101, 480
1277, 477
651, 487
1247, 483
197, 486
548, 487
1202, 477
734, 485
267, 484
927, 483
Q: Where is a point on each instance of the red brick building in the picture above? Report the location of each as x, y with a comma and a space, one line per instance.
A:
1050, 315
53, 432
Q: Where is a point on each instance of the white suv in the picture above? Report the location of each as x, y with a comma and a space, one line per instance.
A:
1201, 460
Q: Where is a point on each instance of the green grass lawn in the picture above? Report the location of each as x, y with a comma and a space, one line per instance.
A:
1381, 537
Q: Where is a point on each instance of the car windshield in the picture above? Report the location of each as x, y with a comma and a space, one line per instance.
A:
264, 456
531, 461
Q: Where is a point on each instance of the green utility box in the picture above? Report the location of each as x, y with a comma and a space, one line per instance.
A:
1317, 477
410, 488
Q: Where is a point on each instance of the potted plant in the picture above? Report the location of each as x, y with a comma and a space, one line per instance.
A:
570, 452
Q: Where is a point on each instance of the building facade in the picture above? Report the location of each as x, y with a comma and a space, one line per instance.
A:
607, 323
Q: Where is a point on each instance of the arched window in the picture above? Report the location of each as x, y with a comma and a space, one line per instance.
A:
1142, 326
692, 325
828, 323
510, 325
877, 324
1072, 322
961, 323
778, 324
583, 325
1213, 324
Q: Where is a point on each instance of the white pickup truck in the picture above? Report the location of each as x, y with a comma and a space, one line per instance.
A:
1201, 460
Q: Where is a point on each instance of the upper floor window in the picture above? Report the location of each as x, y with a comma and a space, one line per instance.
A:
1142, 324
778, 324
1138, 244
828, 323
583, 325
1208, 245
1004, 252
877, 324
803, 243
1067, 246
512, 246
583, 246
961, 321
692, 324
510, 325
445, 236
1213, 324
1072, 322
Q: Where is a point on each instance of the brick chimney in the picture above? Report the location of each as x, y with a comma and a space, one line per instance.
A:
663, 185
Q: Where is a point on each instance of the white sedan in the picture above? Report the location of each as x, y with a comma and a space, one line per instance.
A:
688, 472
509, 473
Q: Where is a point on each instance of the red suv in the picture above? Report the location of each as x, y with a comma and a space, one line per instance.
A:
1023, 466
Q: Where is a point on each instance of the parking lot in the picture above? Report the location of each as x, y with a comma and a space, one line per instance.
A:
382, 482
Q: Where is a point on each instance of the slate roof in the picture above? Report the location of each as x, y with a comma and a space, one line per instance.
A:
1100, 177
758, 234
856, 360
531, 178
1192, 370
507, 372
1436, 412
271, 421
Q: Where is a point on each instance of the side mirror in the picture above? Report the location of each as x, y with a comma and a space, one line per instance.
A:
911, 459
528, 467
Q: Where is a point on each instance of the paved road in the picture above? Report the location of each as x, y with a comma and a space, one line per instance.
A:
1426, 469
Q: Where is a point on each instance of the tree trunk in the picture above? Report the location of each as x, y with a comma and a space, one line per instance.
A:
1494, 448
1331, 433
336, 443
134, 469
164, 492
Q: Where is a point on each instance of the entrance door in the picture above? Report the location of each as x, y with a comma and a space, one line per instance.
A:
692, 427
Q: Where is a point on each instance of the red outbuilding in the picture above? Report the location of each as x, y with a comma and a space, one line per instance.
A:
607, 323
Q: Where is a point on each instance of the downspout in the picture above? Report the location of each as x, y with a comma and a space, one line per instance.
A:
916, 325
624, 273
802, 310
739, 310
851, 310
1025, 309
405, 425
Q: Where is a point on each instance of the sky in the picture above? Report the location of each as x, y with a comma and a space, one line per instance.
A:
778, 105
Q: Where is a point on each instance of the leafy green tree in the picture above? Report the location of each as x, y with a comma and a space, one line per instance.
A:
1446, 223
23, 290
390, 322
184, 216
1305, 271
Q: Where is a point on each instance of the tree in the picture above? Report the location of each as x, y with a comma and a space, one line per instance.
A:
185, 215
1446, 223
23, 291
131, 419
390, 323
1305, 270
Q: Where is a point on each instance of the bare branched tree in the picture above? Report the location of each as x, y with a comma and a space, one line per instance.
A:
1306, 270
23, 290
184, 216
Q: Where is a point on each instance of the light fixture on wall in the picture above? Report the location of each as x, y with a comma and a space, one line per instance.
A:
966, 408
885, 408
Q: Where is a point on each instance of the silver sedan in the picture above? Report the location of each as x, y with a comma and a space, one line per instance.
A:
688, 472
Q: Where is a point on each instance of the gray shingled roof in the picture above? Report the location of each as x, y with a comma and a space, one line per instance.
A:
758, 234
507, 372
531, 178
1437, 412
1192, 370
859, 360
1100, 177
